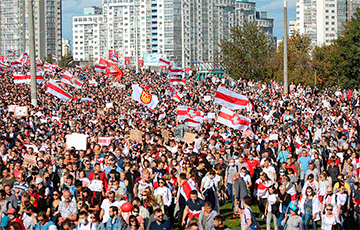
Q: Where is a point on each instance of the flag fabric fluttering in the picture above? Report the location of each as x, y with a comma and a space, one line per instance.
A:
54, 57
68, 78
232, 120
143, 97
173, 70
230, 99
114, 59
175, 94
177, 81
53, 88
192, 117
20, 78
100, 68
112, 69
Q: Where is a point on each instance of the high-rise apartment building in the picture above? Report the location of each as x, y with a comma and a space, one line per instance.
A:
292, 28
89, 37
14, 27
66, 46
322, 20
170, 27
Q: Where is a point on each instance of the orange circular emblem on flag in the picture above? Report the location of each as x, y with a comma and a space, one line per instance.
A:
145, 97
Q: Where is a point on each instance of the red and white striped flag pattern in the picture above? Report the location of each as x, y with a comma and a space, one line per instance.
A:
230, 99
38, 62
78, 84
100, 68
53, 88
54, 65
186, 188
175, 94
173, 70
192, 117
165, 61
177, 81
54, 57
3, 65
114, 59
20, 78
68, 78
48, 67
16, 64
231, 119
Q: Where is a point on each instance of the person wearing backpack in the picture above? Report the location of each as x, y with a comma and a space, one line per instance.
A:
248, 220
230, 172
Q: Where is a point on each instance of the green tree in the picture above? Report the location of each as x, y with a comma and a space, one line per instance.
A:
49, 58
64, 61
300, 64
246, 51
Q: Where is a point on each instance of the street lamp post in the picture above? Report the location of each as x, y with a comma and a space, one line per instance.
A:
286, 84
32, 54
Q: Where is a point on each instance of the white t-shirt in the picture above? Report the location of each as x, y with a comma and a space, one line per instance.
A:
246, 178
89, 226
270, 172
271, 200
106, 206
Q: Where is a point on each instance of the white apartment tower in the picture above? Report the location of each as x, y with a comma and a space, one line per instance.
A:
14, 29
89, 38
322, 20
166, 26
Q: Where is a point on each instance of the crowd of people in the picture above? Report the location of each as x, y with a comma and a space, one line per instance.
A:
298, 161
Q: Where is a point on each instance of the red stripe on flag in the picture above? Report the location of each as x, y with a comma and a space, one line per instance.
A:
230, 99
61, 91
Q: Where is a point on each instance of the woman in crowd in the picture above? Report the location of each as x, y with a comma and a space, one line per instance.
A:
310, 208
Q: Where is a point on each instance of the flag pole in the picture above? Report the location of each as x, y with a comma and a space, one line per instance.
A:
32, 54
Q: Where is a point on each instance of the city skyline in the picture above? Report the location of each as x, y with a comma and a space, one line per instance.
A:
274, 10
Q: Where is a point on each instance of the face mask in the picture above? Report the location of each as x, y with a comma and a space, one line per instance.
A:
143, 197
174, 163
82, 221
250, 158
212, 178
231, 164
135, 213
309, 193
12, 217
282, 173
115, 187
235, 157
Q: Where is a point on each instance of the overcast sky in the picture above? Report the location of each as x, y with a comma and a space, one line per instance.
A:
273, 7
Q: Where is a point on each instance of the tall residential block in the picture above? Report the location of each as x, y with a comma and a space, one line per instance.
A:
14, 27
167, 27
322, 20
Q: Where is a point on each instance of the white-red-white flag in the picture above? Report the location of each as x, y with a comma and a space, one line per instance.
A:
175, 94
100, 68
166, 61
173, 70
230, 99
231, 119
78, 84
186, 189
53, 88
26, 79
192, 117
48, 67
54, 57
143, 97
16, 64
177, 81
68, 78
3, 64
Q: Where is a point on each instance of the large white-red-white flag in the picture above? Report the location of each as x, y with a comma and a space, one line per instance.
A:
186, 189
173, 70
177, 81
231, 119
26, 79
230, 99
100, 68
53, 88
68, 78
192, 117
78, 84
175, 94
143, 97
3, 64
166, 61
16, 64
54, 57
